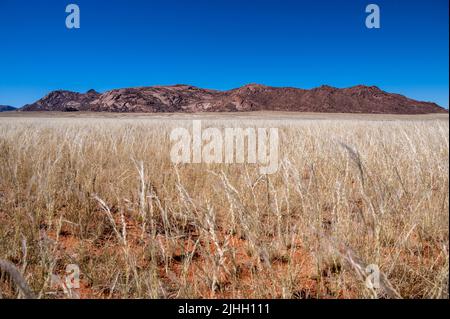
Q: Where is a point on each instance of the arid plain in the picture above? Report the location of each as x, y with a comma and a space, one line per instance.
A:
100, 191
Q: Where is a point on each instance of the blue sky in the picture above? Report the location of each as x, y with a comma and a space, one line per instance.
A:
223, 44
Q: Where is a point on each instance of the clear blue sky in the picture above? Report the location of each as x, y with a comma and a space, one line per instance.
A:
223, 44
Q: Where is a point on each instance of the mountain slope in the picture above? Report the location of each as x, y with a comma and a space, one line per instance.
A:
252, 97
64, 101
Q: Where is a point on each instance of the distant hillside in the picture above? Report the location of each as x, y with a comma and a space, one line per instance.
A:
252, 97
6, 108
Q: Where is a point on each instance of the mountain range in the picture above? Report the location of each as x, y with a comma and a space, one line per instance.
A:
252, 97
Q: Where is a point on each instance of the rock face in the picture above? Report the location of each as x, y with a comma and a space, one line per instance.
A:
64, 101
252, 97
6, 108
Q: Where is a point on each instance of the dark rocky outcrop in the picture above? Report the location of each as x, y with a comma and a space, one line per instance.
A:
64, 101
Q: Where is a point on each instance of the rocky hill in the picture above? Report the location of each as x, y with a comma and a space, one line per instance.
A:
252, 97
65, 101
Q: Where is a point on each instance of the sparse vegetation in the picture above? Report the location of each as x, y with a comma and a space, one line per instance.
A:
102, 193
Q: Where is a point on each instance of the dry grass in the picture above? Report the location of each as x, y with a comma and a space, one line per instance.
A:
102, 193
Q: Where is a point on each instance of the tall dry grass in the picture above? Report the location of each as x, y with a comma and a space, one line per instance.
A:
103, 194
